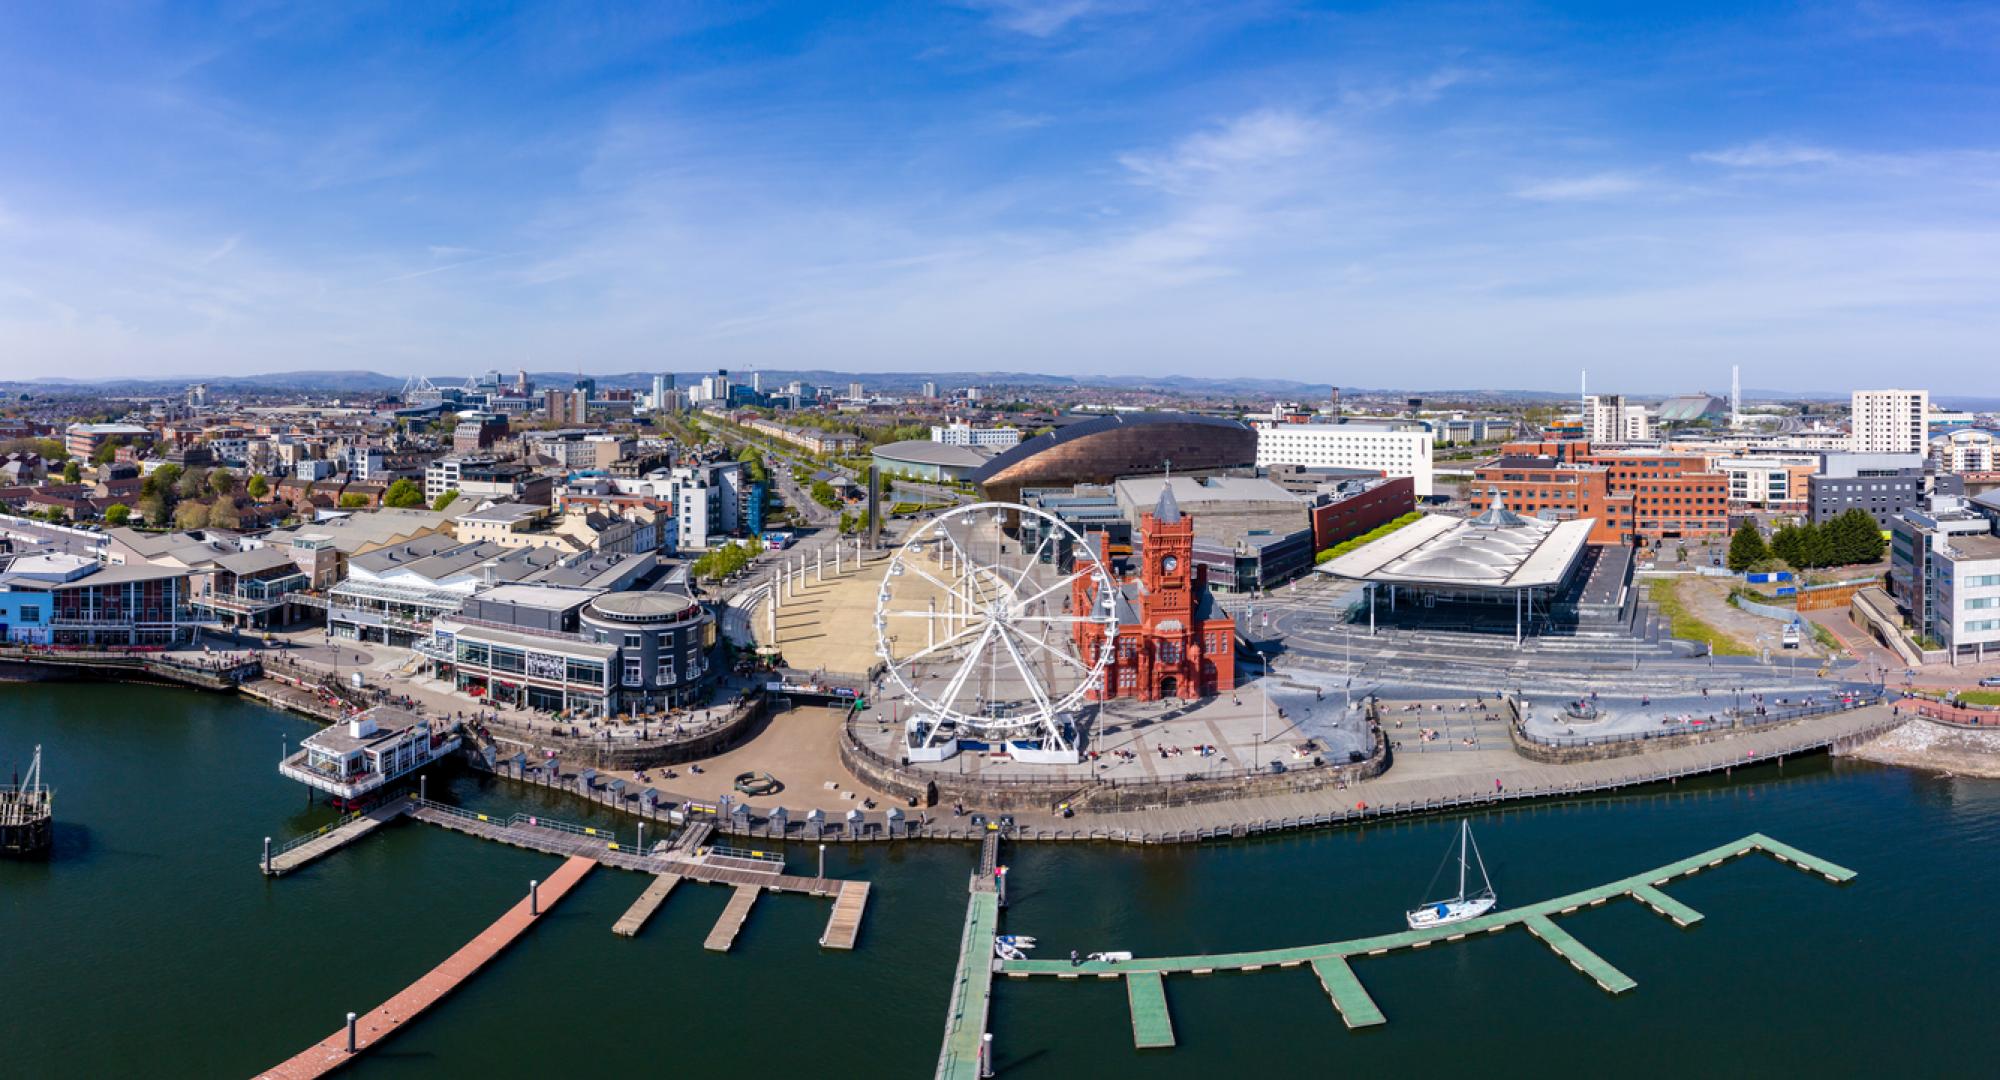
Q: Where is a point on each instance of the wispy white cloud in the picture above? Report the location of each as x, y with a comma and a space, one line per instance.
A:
1046, 18
1768, 155
1252, 141
1601, 185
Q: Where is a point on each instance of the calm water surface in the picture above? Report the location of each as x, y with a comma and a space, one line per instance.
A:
151, 945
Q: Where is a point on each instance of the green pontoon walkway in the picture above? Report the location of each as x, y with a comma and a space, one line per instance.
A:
1145, 976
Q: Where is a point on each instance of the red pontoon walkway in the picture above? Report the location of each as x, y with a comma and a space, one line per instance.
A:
331, 1053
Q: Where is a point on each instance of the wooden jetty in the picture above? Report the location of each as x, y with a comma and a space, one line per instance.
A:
386, 1019
843, 925
686, 857
332, 838
733, 917
1145, 977
642, 909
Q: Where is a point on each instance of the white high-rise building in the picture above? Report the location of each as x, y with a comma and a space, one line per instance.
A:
960, 433
1390, 449
1965, 451
663, 386
1607, 419
1889, 422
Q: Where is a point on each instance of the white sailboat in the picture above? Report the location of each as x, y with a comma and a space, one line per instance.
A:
1435, 913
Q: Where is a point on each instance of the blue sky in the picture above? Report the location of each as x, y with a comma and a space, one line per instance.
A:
1425, 195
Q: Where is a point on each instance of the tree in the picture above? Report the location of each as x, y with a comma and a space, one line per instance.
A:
222, 514
823, 494
156, 510
353, 500
258, 487
404, 493
72, 472
1747, 548
1855, 538
191, 515
445, 500
106, 452
117, 514
1788, 543
222, 482
162, 481
192, 484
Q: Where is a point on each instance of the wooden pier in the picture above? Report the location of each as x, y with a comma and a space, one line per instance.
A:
386, 1019
686, 857
733, 917
1145, 977
341, 833
843, 925
642, 909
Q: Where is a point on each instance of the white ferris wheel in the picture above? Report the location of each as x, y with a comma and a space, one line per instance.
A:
976, 628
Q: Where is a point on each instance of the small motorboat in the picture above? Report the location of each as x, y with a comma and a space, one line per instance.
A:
1435, 913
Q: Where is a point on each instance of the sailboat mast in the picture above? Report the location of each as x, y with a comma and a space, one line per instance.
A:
1464, 833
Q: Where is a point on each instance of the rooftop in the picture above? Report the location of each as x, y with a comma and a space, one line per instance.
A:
1500, 550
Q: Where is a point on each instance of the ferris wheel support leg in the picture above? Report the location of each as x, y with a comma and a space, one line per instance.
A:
819, 565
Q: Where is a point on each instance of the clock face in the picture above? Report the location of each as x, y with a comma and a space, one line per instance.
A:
1170, 564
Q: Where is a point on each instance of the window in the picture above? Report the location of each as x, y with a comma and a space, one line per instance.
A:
31, 613
631, 641
635, 673
664, 675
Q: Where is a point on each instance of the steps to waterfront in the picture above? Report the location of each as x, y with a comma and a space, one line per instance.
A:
388, 1018
1145, 978
733, 917
642, 909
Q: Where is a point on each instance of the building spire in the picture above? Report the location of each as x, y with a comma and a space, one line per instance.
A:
1168, 510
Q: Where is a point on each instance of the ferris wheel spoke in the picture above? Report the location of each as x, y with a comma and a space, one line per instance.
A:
1045, 647
1028, 677
1028, 567
929, 649
948, 589
1058, 619
1060, 583
957, 683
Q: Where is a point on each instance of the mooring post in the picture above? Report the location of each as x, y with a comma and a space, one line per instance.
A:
534, 898
642, 839
267, 855
350, 1033
423, 787
986, 1054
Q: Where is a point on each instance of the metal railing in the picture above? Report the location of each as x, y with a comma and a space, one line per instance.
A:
300, 841
530, 821
745, 853
1728, 722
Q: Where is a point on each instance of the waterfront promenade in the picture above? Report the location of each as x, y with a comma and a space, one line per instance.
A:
1415, 784
387, 1018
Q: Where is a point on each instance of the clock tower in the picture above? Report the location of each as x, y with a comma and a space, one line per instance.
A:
1183, 646
1166, 542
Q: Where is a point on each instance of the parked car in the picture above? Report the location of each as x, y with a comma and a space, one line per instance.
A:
1990, 680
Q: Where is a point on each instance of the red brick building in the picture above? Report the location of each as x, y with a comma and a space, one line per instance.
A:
1173, 640
1337, 519
1634, 495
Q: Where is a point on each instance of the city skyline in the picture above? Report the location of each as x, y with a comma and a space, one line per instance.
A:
1464, 196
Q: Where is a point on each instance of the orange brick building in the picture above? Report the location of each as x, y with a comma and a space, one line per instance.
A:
1173, 641
1634, 495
